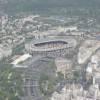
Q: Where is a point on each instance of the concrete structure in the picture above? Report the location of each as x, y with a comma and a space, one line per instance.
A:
87, 49
63, 65
25, 60
52, 47
65, 29
21, 59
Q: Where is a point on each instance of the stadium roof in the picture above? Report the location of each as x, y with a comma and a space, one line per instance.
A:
50, 39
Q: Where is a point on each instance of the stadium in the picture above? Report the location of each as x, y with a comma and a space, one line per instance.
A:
50, 46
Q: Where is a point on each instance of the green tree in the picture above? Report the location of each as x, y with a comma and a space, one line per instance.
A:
10, 83
47, 84
76, 75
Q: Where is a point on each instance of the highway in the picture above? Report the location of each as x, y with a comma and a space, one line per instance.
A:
32, 75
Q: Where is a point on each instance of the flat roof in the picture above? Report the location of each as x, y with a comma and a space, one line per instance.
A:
21, 58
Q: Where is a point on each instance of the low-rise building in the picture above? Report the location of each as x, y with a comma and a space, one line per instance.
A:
63, 65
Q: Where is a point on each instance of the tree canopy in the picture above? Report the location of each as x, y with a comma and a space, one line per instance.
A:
10, 83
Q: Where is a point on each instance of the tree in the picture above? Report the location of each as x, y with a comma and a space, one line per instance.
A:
47, 84
10, 83
76, 75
